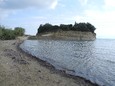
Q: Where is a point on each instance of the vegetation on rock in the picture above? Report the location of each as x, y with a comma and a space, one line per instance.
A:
83, 27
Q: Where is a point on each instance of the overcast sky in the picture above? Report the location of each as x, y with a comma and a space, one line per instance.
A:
31, 13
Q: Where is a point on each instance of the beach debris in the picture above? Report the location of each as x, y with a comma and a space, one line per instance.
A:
16, 56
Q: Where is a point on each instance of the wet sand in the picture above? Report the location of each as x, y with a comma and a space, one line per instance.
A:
18, 68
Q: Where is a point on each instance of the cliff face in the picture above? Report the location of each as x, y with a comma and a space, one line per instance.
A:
72, 35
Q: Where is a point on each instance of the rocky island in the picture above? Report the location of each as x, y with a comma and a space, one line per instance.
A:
78, 31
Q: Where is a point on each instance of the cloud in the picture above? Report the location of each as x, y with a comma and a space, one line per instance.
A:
110, 3
54, 4
4, 13
21, 4
102, 20
101, 15
10, 6
83, 2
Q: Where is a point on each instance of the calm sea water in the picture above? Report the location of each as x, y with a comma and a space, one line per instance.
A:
93, 60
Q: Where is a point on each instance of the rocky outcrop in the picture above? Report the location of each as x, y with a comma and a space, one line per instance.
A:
72, 35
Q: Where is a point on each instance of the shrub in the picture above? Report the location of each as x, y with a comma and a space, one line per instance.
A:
84, 27
19, 31
8, 34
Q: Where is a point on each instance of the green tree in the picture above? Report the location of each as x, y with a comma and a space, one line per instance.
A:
19, 31
1, 27
91, 27
7, 34
84, 27
75, 27
65, 27
0, 33
45, 28
40, 29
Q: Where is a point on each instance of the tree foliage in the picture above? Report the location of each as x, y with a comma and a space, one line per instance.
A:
83, 27
19, 31
47, 28
7, 33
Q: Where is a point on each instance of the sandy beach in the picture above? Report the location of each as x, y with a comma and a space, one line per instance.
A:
20, 69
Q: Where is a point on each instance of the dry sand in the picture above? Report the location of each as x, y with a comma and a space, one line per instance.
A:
20, 69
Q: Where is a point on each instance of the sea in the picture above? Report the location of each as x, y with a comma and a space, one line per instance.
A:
92, 60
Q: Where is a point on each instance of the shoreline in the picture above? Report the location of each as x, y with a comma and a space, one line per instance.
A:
52, 68
18, 68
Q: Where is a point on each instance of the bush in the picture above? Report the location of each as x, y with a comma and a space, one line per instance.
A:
47, 28
19, 31
83, 27
8, 34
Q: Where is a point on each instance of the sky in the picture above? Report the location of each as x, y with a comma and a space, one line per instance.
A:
29, 14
